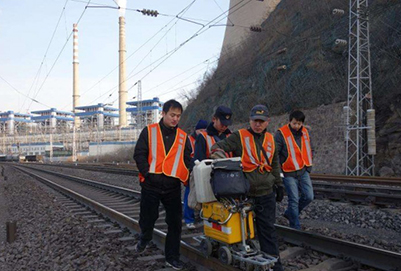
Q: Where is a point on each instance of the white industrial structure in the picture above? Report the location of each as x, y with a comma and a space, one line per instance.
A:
92, 129
150, 111
97, 116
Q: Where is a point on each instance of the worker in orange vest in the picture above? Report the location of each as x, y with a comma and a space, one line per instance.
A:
295, 152
261, 167
189, 216
163, 156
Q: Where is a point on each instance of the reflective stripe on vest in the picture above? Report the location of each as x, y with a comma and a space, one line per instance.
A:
297, 158
192, 141
171, 164
250, 159
209, 143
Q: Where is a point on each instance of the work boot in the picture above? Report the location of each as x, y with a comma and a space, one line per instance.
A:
177, 265
140, 247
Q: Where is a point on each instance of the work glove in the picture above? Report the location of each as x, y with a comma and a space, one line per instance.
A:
218, 154
279, 192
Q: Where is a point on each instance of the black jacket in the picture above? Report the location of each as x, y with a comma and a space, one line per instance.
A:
282, 150
158, 182
200, 143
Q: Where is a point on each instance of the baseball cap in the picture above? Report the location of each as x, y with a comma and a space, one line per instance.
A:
224, 115
259, 112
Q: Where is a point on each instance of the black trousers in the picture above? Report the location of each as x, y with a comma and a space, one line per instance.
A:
265, 211
149, 213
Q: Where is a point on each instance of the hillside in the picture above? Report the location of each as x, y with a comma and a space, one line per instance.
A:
316, 70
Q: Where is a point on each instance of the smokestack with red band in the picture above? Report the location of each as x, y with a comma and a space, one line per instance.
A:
75, 63
122, 92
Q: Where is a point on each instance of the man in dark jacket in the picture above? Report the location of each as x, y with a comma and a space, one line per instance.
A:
215, 131
262, 169
295, 151
163, 163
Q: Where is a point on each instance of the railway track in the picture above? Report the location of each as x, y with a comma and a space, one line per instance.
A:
382, 192
121, 206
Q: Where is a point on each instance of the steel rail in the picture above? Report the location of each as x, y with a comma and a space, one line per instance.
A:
357, 179
314, 176
109, 187
132, 224
370, 256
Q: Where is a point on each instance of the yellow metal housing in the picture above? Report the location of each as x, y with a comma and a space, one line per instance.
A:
230, 232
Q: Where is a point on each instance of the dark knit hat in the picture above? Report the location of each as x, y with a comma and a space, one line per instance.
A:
202, 124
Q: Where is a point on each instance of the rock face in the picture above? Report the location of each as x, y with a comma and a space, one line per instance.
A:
389, 142
292, 63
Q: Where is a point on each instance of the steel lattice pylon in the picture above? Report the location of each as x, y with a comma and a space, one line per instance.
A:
139, 117
358, 161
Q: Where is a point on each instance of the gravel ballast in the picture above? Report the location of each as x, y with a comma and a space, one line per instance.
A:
364, 224
49, 237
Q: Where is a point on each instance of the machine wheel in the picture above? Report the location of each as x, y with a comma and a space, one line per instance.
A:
206, 247
249, 267
225, 255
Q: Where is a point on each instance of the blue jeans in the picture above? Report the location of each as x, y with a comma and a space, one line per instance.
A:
300, 194
189, 216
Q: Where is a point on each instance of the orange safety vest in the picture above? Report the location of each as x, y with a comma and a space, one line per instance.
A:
192, 141
171, 164
297, 158
209, 143
250, 159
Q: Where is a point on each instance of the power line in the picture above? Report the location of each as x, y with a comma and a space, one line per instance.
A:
62, 49
23, 94
45, 55
182, 11
196, 34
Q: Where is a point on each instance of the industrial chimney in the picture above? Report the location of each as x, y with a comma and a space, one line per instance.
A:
122, 91
75, 62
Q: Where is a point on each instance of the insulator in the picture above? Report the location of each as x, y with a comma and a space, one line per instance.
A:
371, 134
338, 12
149, 12
340, 42
281, 51
256, 28
346, 113
282, 67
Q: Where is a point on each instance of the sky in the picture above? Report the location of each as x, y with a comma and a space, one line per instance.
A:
169, 55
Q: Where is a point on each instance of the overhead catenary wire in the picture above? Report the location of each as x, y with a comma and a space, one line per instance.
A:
45, 55
62, 49
146, 42
21, 93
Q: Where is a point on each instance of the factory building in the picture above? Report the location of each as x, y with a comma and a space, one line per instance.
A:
53, 118
11, 122
99, 115
151, 111
39, 148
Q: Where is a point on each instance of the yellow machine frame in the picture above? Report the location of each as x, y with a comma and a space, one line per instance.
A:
230, 231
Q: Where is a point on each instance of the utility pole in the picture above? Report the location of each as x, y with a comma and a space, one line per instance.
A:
139, 118
360, 124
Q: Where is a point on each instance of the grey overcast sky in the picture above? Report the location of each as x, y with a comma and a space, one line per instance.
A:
36, 49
